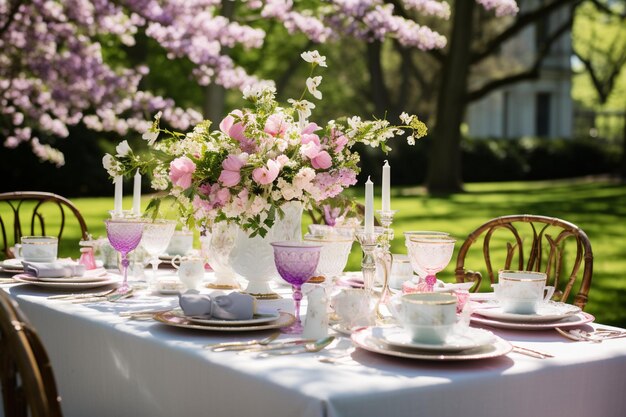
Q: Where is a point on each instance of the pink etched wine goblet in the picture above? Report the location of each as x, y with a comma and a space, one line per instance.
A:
124, 235
431, 253
296, 263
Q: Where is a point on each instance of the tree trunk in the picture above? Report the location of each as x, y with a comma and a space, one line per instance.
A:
444, 164
214, 102
377, 82
623, 167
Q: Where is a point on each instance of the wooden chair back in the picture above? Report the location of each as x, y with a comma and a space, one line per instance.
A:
26, 377
545, 239
25, 217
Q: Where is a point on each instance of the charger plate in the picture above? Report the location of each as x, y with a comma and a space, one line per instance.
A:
174, 318
547, 312
63, 285
571, 321
260, 318
364, 339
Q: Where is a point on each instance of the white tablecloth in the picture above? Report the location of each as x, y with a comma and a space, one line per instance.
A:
106, 365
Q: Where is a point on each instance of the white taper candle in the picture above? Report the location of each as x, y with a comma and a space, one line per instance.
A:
386, 187
137, 194
117, 205
369, 206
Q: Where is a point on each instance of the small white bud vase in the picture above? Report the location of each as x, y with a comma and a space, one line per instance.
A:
316, 322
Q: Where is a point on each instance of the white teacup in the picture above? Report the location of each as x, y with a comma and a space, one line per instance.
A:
428, 317
181, 243
39, 248
190, 270
354, 307
401, 271
522, 292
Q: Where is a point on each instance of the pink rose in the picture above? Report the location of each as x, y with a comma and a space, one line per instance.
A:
266, 174
275, 125
310, 150
181, 171
310, 137
229, 178
230, 175
227, 123
310, 128
321, 161
237, 132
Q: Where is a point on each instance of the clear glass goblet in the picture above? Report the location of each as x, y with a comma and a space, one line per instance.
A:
333, 255
124, 235
296, 263
432, 254
407, 242
155, 239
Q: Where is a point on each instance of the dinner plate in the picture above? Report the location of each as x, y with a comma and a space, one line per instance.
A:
57, 284
170, 318
99, 274
365, 340
549, 311
257, 319
467, 338
571, 321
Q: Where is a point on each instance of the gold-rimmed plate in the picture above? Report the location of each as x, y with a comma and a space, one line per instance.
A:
257, 319
571, 321
174, 318
61, 285
364, 339
546, 312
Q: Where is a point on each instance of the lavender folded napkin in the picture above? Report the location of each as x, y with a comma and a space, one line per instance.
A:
53, 269
233, 306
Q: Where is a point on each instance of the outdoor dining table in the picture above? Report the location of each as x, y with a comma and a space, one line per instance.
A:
108, 365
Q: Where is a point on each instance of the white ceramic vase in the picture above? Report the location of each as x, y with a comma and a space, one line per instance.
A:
253, 257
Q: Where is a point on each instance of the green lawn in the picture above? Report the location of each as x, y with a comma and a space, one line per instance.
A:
598, 207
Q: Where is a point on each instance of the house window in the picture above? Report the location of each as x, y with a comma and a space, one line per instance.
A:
542, 115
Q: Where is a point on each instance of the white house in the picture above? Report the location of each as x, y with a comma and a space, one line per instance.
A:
541, 107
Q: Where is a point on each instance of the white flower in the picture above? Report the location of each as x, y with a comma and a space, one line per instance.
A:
312, 84
314, 57
122, 149
110, 164
410, 140
303, 107
151, 136
406, 118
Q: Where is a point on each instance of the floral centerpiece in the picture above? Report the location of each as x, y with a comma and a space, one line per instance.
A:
259, 159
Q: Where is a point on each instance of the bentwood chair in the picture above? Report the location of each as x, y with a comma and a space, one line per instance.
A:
26, 377
554, 246
23, 213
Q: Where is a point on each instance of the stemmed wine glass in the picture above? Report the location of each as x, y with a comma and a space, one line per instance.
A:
431, 253
408, 235
124, 235
296, 263
155, 239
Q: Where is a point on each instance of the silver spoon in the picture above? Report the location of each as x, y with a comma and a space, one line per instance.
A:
225, 346
310, 347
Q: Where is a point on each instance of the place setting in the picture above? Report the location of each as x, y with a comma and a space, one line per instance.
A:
429, 328
523, 302
41, 267
216, 311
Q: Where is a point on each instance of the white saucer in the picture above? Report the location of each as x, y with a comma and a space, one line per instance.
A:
12, 264
571, 321
365, 340
64, 285
547, 312
467, 338
259, 318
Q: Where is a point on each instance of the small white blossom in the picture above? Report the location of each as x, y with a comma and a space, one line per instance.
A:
122, 149
406, 118
311, 84
303, 107
150, 136
314, 57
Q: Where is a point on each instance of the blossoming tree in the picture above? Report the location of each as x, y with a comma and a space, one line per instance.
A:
53, 73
